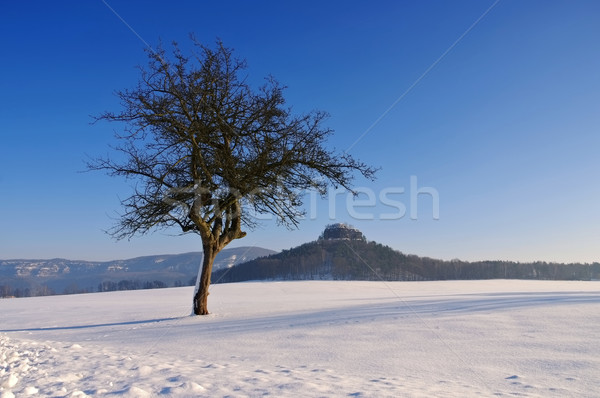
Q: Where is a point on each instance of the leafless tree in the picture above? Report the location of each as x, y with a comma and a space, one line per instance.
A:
206, 151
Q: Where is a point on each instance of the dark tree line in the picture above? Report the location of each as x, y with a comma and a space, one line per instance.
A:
110, 286
73, 288
40, 290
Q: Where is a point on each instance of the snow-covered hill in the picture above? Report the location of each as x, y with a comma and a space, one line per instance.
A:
308, 339
59, 274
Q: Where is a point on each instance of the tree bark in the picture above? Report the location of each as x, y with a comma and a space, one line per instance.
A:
201, 296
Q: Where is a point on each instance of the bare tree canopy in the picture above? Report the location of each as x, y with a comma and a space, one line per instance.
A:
206, 152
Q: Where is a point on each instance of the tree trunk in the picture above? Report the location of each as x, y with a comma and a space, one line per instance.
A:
201, 296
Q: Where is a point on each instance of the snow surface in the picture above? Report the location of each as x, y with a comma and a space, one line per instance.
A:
309, 338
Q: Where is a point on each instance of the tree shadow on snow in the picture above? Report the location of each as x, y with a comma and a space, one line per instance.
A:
96, 325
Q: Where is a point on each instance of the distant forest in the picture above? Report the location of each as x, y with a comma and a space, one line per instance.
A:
361, 260
107, 286
343, 259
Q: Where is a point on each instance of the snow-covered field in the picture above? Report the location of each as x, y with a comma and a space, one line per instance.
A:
397, 339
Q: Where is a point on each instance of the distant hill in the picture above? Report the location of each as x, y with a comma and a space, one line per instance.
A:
341, 253
43, 277
335, 259
358, 259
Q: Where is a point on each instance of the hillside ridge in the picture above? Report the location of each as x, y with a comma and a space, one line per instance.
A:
35, 277
359, 259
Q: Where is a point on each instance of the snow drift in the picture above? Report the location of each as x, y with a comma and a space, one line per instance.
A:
416, 339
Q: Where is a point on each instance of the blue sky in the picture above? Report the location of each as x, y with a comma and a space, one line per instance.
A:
505, 127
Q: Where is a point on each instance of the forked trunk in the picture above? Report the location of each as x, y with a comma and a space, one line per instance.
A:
201, 296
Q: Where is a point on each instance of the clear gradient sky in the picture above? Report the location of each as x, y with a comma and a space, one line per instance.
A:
505, 126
